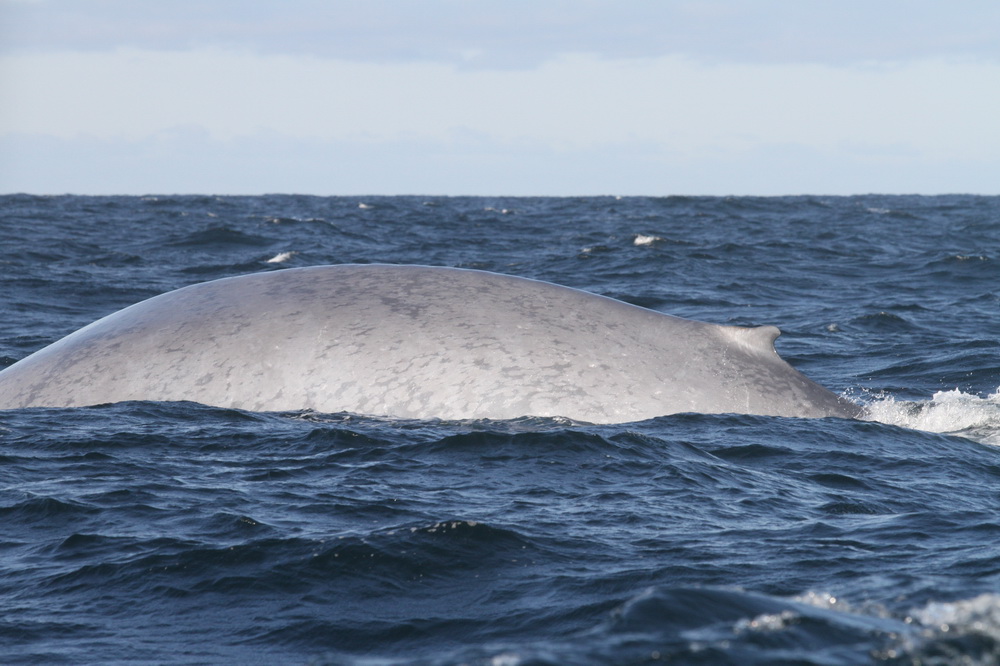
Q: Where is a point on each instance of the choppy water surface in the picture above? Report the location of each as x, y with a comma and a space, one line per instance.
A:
180, 533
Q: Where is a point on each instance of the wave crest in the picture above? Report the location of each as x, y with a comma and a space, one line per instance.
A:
947, 412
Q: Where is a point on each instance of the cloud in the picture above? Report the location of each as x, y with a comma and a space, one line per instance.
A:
517, 33
939, 108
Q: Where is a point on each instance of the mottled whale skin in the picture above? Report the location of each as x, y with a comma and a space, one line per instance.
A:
415, 342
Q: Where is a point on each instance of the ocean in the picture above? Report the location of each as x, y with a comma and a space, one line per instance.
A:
148, 532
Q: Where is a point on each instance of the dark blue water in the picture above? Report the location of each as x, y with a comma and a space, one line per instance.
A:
180, 533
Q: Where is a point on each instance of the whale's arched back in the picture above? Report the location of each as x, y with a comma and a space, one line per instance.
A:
415, 342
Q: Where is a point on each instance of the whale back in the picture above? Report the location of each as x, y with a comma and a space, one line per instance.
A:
415, 342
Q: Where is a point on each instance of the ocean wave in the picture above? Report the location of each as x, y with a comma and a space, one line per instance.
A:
216, 237
281, 257
949, 412
713, 625
49, 510
962, 631
728, 625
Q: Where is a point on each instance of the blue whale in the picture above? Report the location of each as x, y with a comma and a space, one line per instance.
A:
415, 342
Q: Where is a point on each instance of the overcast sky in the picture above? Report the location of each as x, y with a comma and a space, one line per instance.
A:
491, 97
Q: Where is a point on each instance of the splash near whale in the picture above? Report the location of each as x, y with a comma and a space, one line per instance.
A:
415, 342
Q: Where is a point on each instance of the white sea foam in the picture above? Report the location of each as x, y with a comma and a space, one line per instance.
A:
769, 622
941, 621
641, 239
950, 412
281, 257
980, 614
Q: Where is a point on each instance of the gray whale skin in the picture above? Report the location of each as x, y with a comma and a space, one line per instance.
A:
415, 342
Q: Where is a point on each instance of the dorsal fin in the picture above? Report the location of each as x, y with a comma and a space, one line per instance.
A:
759, 339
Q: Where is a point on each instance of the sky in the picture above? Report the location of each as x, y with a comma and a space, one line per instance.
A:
500, 97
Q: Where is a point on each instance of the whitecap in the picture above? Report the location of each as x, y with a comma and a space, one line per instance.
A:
981, 614
641, 239
948, 412
953, 620
769, 622
281, 257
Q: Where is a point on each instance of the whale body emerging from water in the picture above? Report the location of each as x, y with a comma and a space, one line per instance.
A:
415, 342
